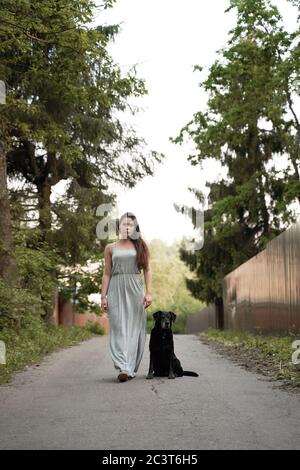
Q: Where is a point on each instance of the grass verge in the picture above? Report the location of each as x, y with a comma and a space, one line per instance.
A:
265, 354
35, 340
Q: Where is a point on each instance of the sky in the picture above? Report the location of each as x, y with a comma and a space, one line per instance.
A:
165, 39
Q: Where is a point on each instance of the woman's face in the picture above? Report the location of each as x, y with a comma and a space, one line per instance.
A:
127, 227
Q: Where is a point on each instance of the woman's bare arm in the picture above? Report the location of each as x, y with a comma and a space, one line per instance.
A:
148, 279
107, 271
148, 276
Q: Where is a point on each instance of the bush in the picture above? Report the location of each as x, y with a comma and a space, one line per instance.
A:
95, 328
15, 304
34, 340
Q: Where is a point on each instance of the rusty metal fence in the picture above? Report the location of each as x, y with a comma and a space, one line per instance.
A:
201, 321
263, 294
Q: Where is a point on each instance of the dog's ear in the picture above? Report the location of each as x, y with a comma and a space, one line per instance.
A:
173, 316
156, 315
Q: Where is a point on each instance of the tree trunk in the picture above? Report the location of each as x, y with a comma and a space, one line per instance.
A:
44, 204
8, 265
219, 308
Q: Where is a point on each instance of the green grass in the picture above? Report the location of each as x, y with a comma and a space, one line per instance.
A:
277, 349
35, 340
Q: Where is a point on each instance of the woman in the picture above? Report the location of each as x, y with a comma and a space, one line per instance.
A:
122, 296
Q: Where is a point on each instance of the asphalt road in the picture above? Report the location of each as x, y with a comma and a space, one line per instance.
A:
74, 401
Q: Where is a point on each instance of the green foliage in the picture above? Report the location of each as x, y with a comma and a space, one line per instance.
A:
179, 325
169, 274
63, 94
277, 348
76, 288
60, 124
15, 304
95, 328
33, 341
38, 268
169, 290
250, 91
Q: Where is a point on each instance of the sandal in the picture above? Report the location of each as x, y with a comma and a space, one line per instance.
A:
123, 376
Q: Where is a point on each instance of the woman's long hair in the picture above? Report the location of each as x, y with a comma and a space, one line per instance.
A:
142, 251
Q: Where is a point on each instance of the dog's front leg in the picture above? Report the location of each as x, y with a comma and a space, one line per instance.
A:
171, 372
151, 368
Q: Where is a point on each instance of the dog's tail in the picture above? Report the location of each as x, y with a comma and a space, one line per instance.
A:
190, 373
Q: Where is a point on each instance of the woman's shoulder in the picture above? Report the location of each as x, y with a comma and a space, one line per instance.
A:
109, 247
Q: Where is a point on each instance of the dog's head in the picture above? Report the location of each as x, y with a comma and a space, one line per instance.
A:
164, 319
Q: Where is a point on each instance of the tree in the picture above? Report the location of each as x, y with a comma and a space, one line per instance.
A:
8, 265
245, 126
60, 121
70, 90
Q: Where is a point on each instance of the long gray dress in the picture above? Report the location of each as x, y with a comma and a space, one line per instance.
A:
127, 314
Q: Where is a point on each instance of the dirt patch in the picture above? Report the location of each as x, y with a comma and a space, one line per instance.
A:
253, 361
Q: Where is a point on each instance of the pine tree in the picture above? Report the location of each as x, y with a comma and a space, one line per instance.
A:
245, 126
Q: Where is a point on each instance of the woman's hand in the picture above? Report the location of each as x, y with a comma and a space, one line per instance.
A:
104, 304
147, 300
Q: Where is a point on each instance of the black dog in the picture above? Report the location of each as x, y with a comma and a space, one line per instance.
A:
163, 362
